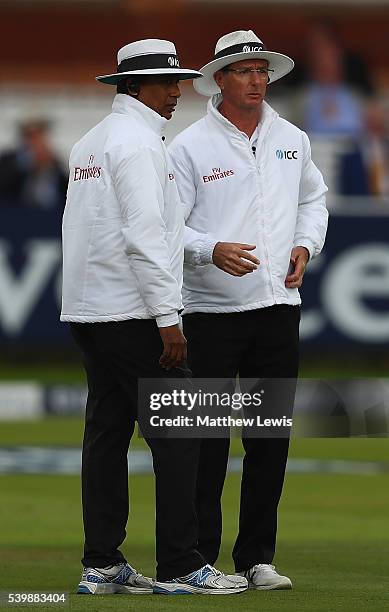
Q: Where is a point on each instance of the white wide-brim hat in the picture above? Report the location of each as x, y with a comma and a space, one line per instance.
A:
152, 56
235, 47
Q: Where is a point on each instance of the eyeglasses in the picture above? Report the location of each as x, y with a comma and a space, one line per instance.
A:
263, 73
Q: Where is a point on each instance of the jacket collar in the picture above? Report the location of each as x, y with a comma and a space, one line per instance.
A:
268, 116
127, 105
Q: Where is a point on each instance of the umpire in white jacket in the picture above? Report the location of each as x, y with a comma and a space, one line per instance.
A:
255, 214
122, 274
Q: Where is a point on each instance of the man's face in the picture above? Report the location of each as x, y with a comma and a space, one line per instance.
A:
160, 93
242, 90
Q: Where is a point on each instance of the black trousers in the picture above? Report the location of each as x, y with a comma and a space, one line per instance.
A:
255, 343
115, 355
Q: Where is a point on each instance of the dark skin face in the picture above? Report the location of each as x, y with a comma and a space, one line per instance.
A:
160, 93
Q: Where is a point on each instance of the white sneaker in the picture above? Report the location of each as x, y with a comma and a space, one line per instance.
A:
207, 580
264, 578
114, 579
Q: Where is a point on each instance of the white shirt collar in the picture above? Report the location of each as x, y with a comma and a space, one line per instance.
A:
268, 116
127, 105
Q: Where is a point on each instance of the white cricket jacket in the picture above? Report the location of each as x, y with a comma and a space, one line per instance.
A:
275, 200
123, 223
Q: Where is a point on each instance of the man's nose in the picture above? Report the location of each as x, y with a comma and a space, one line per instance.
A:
175, 91
255, 77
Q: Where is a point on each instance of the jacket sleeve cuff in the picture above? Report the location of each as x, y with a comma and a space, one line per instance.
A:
307, 244
206, 251
167, 320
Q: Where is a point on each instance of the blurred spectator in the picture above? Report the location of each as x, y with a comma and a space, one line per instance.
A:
331, 106
364, 170
356, 73
31, 175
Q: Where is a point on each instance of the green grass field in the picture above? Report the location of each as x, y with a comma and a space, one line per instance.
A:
333, 529
333, 541
67, 432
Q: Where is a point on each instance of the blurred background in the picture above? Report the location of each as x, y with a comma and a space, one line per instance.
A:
50, 52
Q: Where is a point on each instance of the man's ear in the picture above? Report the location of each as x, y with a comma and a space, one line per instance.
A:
219, 78
133, 87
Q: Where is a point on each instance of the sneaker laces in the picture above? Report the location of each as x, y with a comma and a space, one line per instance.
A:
122, 572
134, 571
215, 571
259, 567
199, 575
107, 571
225, 580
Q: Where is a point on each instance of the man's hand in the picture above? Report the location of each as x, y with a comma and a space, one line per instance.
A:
174, 347
231, 257
298, 260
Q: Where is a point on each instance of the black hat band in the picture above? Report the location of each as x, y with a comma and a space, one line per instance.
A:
145, 62
248, 47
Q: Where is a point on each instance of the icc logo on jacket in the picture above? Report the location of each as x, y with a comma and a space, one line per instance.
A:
286, 154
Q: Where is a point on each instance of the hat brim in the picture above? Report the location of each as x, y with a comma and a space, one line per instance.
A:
207, 86
181, 73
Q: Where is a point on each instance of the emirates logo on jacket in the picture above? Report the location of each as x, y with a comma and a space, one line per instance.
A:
91, 172
217, 174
